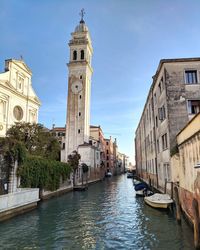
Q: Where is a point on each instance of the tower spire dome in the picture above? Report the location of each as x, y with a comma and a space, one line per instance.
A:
81, 27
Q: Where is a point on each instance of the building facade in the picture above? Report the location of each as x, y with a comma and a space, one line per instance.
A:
186, 166
173, 99
59, 132
18, 101
109, 156
96, 133
123, 163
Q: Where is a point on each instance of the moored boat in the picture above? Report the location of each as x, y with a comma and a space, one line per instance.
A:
158, 200
129, 175
108, 174
135, 182
140, 192
140, 188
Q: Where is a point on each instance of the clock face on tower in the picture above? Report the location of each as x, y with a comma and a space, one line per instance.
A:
76, 87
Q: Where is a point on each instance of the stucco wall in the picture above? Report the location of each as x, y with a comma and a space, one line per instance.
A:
183, 165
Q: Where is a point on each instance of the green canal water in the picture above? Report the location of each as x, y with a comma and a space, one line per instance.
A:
107, 216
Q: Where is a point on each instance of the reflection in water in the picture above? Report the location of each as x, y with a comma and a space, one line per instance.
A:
107, 216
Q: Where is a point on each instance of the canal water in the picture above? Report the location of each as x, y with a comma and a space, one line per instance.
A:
107, 216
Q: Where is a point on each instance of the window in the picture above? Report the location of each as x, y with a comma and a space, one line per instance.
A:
166, 169
81, 77
150, 113
18, 113
20, 83
82, 54
161, 113
79, 131
107, 143
107, 158
151, 138
80, 96
160, 85
155, 99
79, 114
107, 164
107, 151
190, 76
74, 55
152, 164
156, 121
193, 106
63, 147
158, 146
164, 141
2, 111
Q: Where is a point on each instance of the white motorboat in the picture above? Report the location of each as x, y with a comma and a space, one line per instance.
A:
135, 182
158, 200
140, 192
108, 174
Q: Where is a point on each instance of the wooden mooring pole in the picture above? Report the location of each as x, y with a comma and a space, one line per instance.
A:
177, 202
196, 223
165, 190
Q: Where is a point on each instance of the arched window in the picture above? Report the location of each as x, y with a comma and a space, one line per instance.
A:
82, 54
74, 55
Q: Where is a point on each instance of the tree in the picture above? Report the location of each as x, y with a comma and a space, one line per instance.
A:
73, 161
37, 151
85, 169
11, 150
37, 139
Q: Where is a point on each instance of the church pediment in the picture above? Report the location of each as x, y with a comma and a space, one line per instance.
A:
22, 65
19, 63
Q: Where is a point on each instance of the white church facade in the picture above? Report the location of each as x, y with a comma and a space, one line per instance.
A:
18, 101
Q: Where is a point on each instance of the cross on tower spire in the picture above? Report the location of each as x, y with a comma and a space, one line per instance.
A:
82, 13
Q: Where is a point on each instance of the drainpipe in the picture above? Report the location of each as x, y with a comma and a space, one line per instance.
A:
154, 133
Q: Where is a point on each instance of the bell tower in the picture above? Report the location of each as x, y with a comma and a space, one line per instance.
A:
79, 88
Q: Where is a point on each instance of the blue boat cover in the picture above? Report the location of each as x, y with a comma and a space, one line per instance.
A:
140, 186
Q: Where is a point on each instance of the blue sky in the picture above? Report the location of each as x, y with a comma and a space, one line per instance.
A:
129, 38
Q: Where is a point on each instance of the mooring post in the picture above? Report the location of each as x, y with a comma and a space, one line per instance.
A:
165, 186
177, 202
172, 190
149, 182
196, 223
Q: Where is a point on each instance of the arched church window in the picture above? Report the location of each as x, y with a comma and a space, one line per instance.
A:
82, 54
74, 55
1, 110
